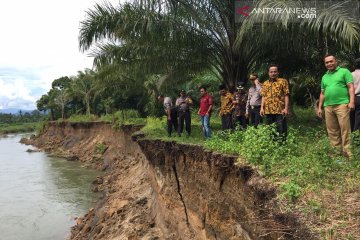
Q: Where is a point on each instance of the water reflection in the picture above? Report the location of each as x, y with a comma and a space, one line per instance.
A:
40, 195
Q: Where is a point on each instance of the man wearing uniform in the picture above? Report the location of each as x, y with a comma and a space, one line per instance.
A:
183, 104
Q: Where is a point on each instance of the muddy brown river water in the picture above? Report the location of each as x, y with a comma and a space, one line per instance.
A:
40, 195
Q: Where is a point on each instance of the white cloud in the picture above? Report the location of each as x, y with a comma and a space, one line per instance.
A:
40, 37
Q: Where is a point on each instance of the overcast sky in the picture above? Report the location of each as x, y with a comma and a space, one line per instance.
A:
39, 43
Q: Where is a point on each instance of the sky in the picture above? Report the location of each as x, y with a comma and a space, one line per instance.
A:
38, 44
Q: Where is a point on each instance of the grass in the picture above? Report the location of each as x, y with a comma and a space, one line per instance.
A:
313, 181
18, 127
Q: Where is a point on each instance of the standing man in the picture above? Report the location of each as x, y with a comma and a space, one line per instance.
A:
171, 113
337, 96
183, 104
253, 103
240, 98
275, 101
206, 104
226, 108
355, 115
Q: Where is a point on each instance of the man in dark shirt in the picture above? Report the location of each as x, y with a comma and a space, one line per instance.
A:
240, 99
183, 104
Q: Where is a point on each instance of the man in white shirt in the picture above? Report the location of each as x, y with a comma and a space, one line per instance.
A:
355, 115
171, 113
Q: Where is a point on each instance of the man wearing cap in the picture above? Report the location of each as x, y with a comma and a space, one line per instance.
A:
275, 101
171, 113
226, 108
253, 103
183, 104
337, 96
240, 98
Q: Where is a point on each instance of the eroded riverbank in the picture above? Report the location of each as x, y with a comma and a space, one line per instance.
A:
164, 190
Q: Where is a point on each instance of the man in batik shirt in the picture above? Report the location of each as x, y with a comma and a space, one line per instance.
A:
275, 101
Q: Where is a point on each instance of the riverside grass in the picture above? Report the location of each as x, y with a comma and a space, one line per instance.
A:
6, 128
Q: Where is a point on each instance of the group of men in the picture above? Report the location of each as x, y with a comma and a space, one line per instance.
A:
340, 97
269, 100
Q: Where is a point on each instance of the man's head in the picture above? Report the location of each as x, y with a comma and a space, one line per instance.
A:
330, 62
161, 98
357, 63
253, 77
273, 71
240, 89
222, 89
182, 93
203, 90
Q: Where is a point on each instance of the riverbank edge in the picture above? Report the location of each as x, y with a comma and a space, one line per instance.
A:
170, 158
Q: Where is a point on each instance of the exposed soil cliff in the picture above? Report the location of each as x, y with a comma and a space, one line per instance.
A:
165, 190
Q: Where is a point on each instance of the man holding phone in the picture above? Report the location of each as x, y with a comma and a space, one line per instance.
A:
275, 101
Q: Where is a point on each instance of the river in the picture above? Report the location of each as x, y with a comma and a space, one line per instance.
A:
40, 195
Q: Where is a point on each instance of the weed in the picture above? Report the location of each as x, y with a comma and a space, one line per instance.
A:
100, 148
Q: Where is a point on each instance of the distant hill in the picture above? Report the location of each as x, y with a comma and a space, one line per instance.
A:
14, 110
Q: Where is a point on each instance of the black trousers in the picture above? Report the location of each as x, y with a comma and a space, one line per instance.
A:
172, 122
241, 121
185, 117
355, 115
255, 116
226, 121
280, 123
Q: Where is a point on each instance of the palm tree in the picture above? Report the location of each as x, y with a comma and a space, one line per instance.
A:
177, 37
84, 86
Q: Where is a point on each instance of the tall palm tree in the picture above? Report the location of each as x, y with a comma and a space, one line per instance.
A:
180, 36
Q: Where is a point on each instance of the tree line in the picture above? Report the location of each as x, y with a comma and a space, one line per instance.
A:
146, 47
21, 117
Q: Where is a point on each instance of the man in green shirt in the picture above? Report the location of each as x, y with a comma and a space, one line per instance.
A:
337, 96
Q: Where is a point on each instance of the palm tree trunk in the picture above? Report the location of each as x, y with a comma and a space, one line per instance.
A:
87, 101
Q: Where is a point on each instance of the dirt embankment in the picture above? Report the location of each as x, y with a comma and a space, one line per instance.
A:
164, 190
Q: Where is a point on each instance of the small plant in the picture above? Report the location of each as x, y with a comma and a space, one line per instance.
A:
100, 148
291, 191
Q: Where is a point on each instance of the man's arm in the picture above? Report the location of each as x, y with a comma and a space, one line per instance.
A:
208, 111
262, 112
321, 103
286, 109
352, 96
248, 104
210, 106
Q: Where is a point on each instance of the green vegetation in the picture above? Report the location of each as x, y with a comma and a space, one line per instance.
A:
21, 122
304, 162
312, 179
6, 128
100, 148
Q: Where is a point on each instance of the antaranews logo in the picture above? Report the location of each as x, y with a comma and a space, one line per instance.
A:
243, 11
293, 11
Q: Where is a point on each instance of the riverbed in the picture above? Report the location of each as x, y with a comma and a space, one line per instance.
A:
40, 196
